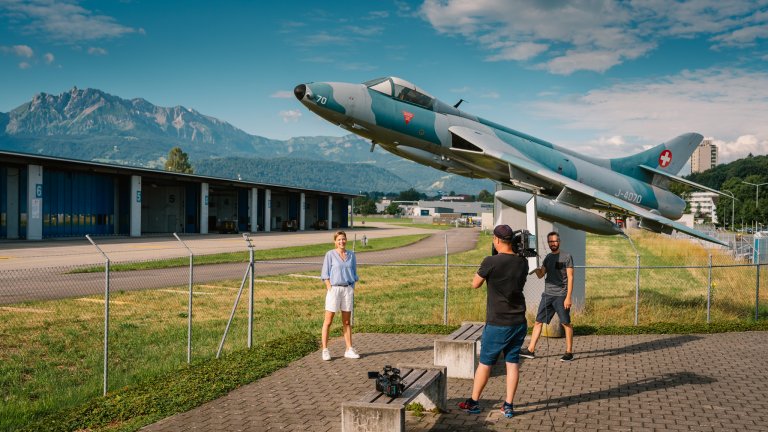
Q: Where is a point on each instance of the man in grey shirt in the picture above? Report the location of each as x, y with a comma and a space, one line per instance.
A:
558, 287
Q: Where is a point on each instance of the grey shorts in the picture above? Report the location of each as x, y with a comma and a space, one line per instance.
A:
551, 305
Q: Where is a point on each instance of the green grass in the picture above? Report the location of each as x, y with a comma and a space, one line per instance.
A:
402, 222
315, 250
190, 386
50, 352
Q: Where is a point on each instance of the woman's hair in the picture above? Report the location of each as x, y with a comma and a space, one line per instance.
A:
339, 233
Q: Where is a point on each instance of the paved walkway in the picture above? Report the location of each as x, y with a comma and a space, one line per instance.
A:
620, 383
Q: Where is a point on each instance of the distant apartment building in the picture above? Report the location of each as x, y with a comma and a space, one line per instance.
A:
704, 157
703, 206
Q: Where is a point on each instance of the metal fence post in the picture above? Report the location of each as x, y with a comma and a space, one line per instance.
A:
247, 238
637, 278
709, 290
189, 306
106, 313
232, 315
757, 292
637, 288
445, 284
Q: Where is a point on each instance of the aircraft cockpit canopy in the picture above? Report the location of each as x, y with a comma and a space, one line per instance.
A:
401, 89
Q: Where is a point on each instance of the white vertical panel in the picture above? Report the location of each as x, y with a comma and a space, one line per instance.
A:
302, 211
204, 208
34, 202
254, 206
135, 207
267, 210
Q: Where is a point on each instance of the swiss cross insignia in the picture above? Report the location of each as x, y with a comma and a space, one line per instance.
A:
408, 116
665, 158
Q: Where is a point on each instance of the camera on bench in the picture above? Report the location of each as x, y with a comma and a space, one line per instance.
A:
388, 382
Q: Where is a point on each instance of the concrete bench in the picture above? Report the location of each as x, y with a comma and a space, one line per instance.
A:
376, 412
458, 351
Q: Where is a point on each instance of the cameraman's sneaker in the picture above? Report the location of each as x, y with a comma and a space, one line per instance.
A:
567, 357
351, 353
506, 408
470, 406
527, 354
326, 355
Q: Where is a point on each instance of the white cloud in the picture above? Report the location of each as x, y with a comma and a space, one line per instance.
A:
23, 51
741, 38
729, 105
365, 67
377, 15
48, 58
491, 95
564, 37
63, 21
97, 51
365, 30
322, 38
24, 65
519, 51
282, 94
290, 116
741, 146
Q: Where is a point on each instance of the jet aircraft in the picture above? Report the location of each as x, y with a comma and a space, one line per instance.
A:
407, 121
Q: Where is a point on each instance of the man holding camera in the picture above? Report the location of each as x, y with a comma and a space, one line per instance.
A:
505, 326
558, 287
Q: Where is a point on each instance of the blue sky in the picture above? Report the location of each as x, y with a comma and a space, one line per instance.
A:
602, 77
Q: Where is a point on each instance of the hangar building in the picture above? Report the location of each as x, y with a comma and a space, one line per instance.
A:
49, 197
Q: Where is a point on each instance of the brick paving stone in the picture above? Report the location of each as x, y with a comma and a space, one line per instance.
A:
616, 383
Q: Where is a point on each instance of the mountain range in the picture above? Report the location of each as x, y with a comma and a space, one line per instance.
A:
90, 124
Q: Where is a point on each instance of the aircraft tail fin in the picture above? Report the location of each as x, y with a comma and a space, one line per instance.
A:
669, 157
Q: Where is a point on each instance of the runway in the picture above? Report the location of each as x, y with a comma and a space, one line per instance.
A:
41, 271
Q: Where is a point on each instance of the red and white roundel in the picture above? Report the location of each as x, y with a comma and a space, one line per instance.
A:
665, 158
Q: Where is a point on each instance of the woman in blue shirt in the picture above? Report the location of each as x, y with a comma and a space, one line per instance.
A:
339, 274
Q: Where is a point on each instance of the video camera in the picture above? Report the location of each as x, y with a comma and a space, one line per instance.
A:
523, 244
388, 382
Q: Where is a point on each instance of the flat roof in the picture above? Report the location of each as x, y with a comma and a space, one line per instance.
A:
25, 158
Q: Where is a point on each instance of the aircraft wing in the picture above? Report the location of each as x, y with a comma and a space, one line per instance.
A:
681, 180
573, 192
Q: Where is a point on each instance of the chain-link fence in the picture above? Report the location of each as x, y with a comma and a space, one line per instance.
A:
54, 325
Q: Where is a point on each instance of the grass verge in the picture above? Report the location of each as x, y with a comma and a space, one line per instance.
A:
316, 250
132, 407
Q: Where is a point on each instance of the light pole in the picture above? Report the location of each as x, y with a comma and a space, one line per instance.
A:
733, 207
757, 191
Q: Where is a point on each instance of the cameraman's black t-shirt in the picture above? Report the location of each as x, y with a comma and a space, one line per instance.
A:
505, 275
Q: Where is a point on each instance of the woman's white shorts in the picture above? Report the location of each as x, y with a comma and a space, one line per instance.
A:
340, 298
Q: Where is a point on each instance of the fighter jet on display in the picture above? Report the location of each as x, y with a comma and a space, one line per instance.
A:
405, 120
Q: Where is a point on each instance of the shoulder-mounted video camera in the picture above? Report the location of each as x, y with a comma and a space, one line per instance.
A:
523, 244
388, 382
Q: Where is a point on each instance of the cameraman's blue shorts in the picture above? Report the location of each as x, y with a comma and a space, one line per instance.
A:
506, 339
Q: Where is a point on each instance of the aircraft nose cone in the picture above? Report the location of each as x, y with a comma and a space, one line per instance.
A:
300, 91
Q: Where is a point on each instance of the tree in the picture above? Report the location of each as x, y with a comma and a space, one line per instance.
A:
178, 161
485, 196
364, 206
410, 195
393, 209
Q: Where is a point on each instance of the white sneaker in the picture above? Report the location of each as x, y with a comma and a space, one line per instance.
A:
326, 355
351, 353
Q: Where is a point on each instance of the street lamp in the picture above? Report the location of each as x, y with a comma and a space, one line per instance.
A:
733, 206
757, 191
